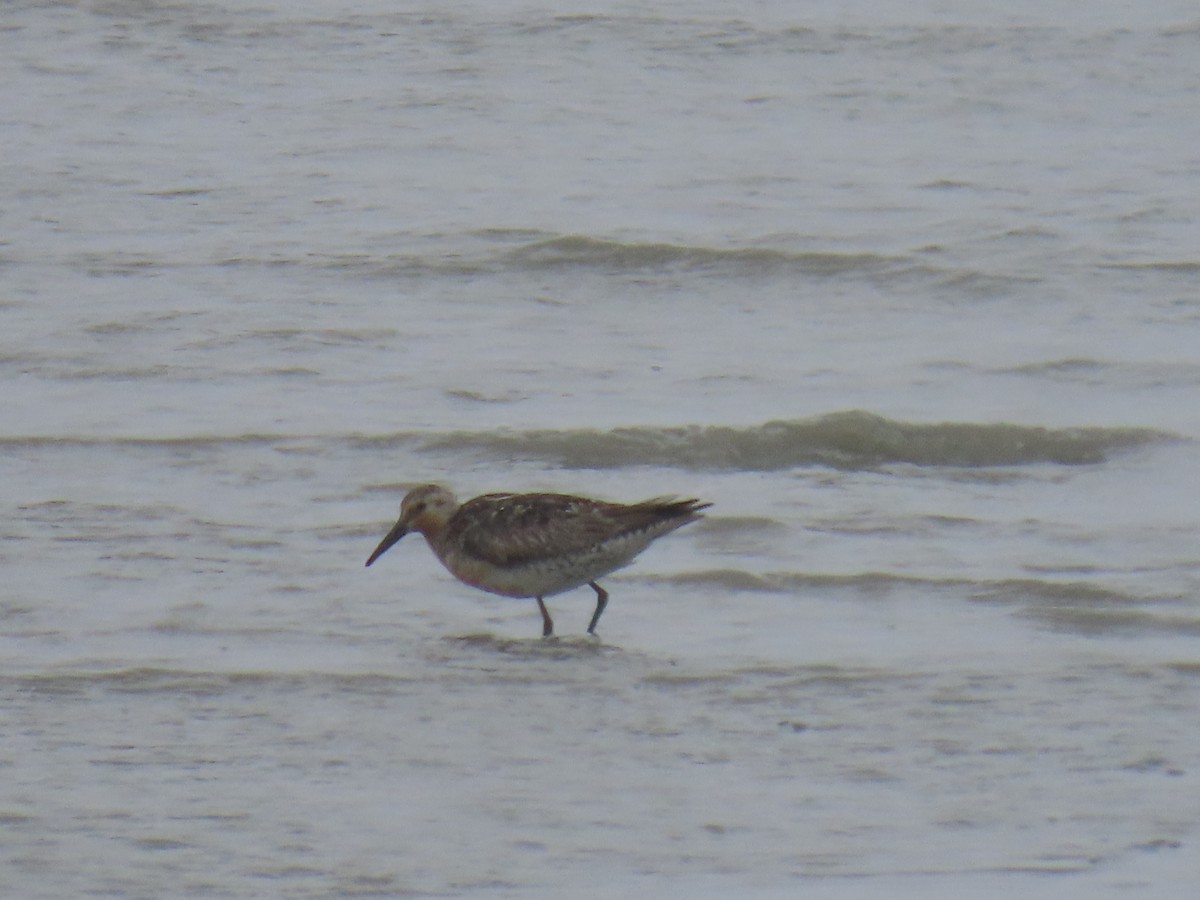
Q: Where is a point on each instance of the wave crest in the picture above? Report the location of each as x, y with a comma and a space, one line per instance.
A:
582, 251
844, 440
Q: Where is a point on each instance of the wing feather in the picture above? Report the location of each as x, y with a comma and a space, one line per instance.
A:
512, 530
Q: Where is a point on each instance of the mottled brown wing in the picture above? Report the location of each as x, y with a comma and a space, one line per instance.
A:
518, 529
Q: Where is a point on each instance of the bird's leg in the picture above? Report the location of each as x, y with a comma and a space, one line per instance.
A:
601, 602
547, 624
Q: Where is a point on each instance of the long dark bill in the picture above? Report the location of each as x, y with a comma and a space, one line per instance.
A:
398, 531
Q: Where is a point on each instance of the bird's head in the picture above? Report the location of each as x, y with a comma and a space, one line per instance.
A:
425, 509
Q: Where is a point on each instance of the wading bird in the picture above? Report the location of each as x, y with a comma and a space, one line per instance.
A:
535, 545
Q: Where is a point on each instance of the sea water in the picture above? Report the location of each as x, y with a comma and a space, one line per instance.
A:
909, 292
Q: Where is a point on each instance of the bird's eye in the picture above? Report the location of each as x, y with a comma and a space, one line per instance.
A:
420, 507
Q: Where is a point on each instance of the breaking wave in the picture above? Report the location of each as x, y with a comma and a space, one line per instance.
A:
1079, 607
498, 251
582, 251
845, 440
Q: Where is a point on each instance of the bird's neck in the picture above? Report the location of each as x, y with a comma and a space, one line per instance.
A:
434, 530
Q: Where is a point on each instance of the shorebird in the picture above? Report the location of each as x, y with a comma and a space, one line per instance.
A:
535, 545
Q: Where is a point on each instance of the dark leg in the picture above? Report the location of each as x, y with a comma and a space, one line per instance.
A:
547, 625
601, 602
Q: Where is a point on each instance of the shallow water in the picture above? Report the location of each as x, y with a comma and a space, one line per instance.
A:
910, 294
